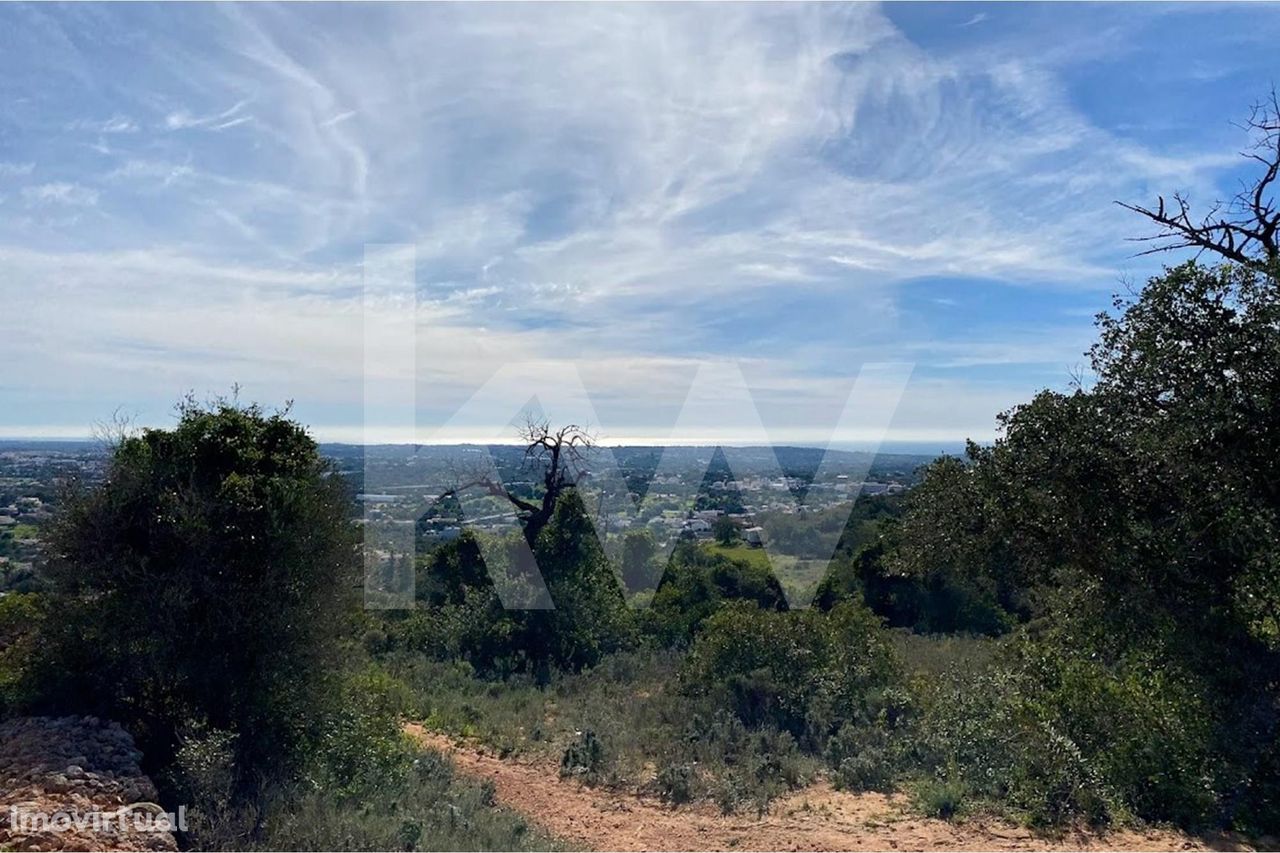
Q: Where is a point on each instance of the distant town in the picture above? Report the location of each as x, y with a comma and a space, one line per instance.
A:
697, 486
763, 491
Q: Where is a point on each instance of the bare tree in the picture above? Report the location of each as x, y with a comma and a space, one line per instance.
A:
1245, 229
560, 454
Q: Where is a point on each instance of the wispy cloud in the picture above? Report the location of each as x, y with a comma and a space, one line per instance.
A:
338, 119
61, 192
646, 184
184, 119
115, 124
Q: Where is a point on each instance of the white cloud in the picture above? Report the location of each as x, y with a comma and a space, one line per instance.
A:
116, 124
626, 184
138, 170
61, 192
183, 119
338, 119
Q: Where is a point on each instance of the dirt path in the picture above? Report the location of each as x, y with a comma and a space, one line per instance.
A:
817, 818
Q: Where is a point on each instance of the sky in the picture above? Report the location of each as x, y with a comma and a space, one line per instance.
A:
613, 195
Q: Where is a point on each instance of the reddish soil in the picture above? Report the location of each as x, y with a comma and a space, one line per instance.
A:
816, 818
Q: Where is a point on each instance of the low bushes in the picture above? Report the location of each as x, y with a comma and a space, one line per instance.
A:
584, 758
424, 808
1062, 734
806, 672
366, 786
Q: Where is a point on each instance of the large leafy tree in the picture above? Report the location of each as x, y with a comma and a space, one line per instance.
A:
205, 582
1141, 513
464, 616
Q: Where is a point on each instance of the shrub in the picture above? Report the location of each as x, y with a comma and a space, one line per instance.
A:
427, 808
204, 775
21, 615
209, 577
675, 783
940, 798
697, 584
360, 744
1141, 724
804, 672
584, 759
981, 731
862, 758
773, 761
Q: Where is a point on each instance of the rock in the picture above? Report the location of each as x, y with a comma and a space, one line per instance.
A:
42, 770
58, 784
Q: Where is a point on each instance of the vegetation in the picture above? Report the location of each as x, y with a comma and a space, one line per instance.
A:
204, 596
1075, 623
1080, 622
206, 582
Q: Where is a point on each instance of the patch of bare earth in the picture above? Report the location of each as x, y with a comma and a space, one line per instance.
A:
816, 818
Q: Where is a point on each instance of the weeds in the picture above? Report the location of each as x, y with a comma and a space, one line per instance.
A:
430, 809
584, 759
940, 798
675, 783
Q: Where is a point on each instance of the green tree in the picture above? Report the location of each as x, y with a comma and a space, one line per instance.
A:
725, 530
697, 584
1142, 514
590, 617
1139, 514
640, 569
463, 615
207, 581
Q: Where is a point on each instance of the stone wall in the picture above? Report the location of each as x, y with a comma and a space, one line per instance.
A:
74, 783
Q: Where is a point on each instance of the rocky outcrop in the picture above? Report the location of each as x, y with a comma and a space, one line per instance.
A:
74, 783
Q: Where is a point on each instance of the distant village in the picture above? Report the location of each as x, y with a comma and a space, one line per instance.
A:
31, 478
674, 506
405, 483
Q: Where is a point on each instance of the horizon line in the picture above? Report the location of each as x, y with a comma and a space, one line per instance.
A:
636, 441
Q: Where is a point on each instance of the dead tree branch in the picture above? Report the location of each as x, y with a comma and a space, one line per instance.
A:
1245, 229
561, 455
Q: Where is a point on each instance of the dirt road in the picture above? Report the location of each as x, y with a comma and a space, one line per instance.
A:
817, 818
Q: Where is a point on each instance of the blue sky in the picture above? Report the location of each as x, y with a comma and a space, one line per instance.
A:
186, 193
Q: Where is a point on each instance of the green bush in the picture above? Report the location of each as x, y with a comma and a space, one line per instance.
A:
361, 743
1062, 734
940, 798
981, 731
862, 758
1142, 724
209, 577
21, 615
698, 583
204, 775
675, 783
804, 672
584, 759
426, 808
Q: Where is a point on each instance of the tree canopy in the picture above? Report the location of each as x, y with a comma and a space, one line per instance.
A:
206, 581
